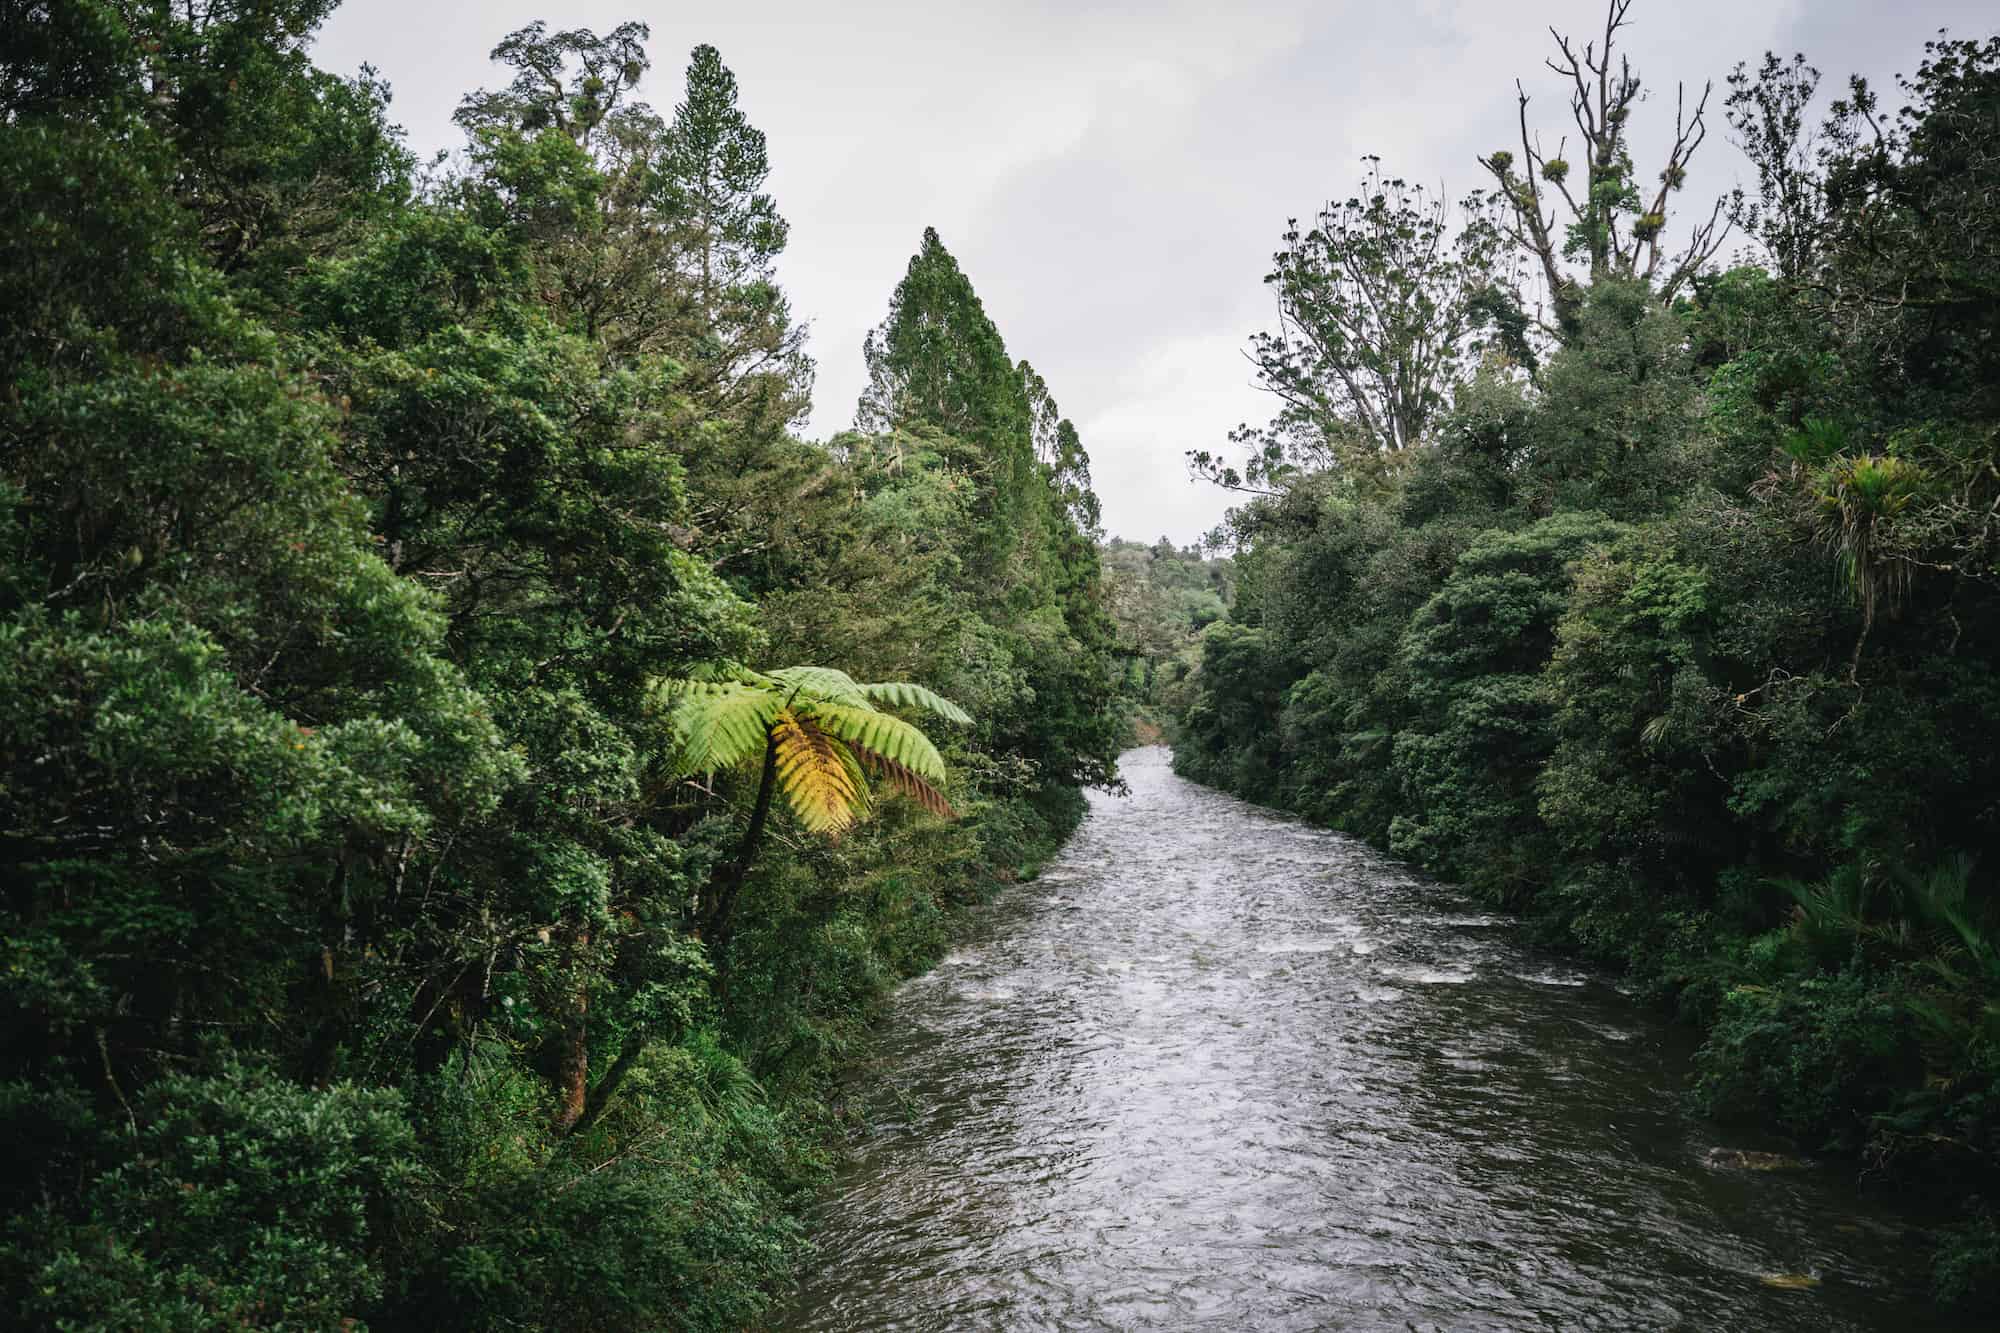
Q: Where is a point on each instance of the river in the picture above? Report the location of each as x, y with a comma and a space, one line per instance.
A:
1218, 1070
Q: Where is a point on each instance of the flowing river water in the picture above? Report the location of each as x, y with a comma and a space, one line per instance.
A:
1216, 1069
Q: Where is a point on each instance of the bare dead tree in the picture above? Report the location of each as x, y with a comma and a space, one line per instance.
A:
1609, 228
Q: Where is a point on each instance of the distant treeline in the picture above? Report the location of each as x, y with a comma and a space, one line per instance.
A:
1162, 597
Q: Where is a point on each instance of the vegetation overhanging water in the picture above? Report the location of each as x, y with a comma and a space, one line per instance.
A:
470, 770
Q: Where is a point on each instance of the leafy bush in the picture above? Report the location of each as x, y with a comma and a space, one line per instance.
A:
1817, 1058
1966, 1272
224, 1201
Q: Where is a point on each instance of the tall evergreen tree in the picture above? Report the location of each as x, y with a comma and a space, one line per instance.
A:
938, 363
750, 356
1059, 448
937, 360
715, 165
938, 370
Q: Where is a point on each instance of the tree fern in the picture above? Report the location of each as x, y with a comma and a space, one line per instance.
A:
819, 734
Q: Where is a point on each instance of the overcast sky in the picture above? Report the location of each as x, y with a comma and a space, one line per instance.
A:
1113, 177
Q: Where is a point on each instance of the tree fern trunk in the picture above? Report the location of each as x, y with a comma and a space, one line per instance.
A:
1867, 624
716, 928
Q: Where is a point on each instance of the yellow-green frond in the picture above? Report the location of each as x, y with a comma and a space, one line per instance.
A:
718, 724
885, 734
818, 682
904, 694
820, 727
818, 776
904, 780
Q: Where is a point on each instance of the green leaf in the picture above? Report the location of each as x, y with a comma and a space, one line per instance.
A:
822, 683
904, 694
719, 724
886, 735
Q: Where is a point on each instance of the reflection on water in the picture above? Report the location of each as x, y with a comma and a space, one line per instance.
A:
1217, 1070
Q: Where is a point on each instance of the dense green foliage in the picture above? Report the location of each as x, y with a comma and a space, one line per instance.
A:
1161, 597
1676, 631
355, 521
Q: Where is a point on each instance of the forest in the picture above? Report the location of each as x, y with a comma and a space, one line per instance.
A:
471, 769
1161, 597
1633, 562
439, 691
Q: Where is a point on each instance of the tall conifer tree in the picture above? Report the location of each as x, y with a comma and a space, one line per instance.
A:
937, 360
712, 173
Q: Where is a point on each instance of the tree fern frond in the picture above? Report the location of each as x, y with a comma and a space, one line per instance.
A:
905, 780
670, 690
904, 694
818, 777
720, 725
886, 734
827, 683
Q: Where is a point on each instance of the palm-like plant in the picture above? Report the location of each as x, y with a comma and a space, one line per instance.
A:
1859, 500
1859, 497
819, 735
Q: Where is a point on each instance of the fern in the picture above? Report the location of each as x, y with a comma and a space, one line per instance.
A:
819, 733
906, 781
825, 683
903, 694
720, 724
818, 775
887, 735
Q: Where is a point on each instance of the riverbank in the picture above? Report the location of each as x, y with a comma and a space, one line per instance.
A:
1669, 623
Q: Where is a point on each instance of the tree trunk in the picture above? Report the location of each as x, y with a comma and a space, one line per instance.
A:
1867, 624
607, 1087
573, 1055
715, 927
